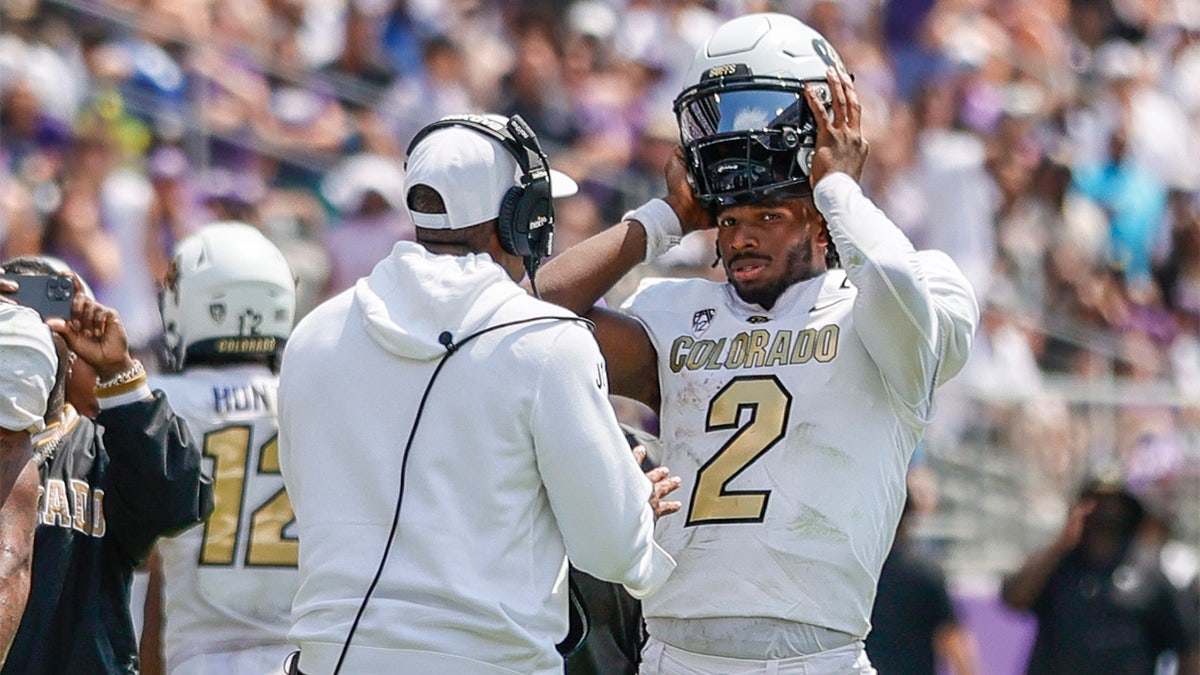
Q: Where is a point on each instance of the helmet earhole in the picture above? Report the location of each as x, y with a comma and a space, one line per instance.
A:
804, 159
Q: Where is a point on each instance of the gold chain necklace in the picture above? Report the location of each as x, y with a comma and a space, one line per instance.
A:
46, 443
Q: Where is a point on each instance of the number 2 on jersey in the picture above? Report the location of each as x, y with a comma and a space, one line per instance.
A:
266, 546
769, 404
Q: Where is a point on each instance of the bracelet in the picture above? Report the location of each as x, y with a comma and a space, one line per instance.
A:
663, 230
122, 382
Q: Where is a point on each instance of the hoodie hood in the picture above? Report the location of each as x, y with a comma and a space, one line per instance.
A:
413, 296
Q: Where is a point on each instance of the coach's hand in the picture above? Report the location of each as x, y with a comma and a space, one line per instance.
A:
664, 484
840, 143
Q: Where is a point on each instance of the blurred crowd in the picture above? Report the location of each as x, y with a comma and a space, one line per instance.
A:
1049, 146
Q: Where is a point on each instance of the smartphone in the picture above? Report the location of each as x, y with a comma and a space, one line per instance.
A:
49, 294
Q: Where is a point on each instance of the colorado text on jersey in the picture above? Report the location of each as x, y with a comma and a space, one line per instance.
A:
755, 349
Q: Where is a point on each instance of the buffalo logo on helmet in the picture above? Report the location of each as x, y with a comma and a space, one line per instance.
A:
171, 280
828, 54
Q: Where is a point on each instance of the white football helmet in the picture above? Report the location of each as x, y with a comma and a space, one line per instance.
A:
746, 128
229, 293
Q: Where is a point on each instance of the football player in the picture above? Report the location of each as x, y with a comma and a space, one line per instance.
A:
227, 308
791, 396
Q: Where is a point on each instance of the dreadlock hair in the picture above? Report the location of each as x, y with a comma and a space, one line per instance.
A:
832, 259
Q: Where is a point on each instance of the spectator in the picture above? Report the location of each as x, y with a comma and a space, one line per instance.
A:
368, 192
110, 488
417, 98
914, 624
1135, 202
1100, 609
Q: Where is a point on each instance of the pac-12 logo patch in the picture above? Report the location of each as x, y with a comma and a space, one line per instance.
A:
702, 320
217, 312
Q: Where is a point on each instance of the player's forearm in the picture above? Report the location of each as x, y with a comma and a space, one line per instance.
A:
897, 316
1189, 663
578, 277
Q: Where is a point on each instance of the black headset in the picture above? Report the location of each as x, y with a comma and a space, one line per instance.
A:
526, 222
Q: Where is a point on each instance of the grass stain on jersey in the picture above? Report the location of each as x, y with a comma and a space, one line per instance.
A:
816, 525
803, 433
835, 454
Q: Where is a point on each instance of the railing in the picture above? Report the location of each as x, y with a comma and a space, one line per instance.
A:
998, 503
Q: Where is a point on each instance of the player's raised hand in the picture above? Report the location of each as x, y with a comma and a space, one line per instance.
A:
682, 198
840, 143
95, 333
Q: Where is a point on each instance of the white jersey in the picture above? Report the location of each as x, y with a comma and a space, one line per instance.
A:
229, 583
792, 428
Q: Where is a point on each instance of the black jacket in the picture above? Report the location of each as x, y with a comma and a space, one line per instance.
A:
109, 490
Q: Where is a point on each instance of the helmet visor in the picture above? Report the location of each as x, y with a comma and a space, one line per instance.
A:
709, 113
745, 140
735, 169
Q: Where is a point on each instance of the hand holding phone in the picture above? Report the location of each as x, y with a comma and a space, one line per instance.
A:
49, 294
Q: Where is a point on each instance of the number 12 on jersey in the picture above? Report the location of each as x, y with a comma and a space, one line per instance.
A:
769, 404
266, 546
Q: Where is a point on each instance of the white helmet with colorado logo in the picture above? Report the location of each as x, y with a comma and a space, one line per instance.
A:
744, 123
228, 295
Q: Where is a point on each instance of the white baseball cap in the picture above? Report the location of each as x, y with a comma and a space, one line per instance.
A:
472, 172
347, 185
28, 364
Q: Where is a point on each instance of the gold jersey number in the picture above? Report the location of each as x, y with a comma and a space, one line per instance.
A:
768, 404
267, 546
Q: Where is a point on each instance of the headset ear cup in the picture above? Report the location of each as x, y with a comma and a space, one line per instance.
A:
511, 240
539, 208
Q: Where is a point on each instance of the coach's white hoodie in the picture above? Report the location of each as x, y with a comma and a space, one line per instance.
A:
517, 462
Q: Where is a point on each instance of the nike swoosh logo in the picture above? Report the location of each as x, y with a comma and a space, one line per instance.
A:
827, 305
